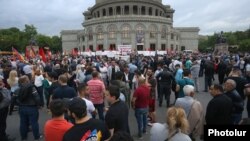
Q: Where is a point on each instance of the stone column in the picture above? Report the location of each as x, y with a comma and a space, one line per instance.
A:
94, 41
158, 42
146, 40
133, 42
105, 42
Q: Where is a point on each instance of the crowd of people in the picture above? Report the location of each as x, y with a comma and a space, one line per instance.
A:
77, 89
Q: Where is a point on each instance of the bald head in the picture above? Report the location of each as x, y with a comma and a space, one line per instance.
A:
229, 85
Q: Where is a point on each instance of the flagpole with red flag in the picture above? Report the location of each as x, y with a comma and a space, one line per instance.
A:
19, 56
42, 54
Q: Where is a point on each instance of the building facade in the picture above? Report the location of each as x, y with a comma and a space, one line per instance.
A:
144, 24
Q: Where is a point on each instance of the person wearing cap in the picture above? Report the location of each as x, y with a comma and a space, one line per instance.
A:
55, 128
85, 128
114, 119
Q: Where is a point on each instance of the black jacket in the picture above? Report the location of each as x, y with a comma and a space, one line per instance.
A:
27, 95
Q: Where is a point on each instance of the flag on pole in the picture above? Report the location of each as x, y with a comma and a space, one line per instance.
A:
32, 52
42, 54
16, 53
27, 53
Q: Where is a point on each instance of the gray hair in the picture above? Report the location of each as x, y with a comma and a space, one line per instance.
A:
187, 89
232, 82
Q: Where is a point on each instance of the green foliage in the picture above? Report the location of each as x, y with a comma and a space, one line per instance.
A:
14, 37
241, 38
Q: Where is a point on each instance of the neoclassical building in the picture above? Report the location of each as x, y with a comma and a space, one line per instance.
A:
144, 24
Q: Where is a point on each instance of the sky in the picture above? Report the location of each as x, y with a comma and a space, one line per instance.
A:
52, 16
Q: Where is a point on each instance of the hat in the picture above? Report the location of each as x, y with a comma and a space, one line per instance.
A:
77, 104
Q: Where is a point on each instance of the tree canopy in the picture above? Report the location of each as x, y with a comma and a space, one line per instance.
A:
240, 38
14, 37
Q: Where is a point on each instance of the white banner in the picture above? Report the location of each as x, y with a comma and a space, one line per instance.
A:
125, 49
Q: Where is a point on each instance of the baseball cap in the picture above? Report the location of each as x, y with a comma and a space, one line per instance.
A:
77, 105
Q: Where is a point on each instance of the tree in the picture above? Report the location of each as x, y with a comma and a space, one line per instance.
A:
56, 44
30, 31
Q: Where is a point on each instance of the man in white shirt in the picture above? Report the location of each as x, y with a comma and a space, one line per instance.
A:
83, 93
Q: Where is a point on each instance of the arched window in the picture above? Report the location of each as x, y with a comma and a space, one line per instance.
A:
150, 13
103, 12
126, 10
118, 10
110, 11
163, 32
112, 31
125, 31
135, 10
143, 10
90, 34
98, 14
156, 12
152, 31
99, 32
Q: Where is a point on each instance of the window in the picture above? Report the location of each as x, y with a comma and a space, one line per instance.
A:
163, 32
126, 10
135, 10
118, 10
112, 31
125, 31
83, 48
91, 47
152, 31
139, 47
172, 36
163, 46
172, 47
183, 48
156, 12
104, 12
99, 32
90, 34
160, 13
99, 47
176, 48
143, 10
152, 47
112, 47
110, 11
150, 11
98, 14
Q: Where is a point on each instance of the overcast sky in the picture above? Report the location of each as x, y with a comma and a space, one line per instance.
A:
52, 16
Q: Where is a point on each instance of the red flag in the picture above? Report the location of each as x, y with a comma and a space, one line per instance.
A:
27, 53
15, 52
73, 52
49, 54
32, 52
42, 54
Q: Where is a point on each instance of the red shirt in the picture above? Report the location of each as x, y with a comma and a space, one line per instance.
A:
96, 89
142, 95
55, 129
